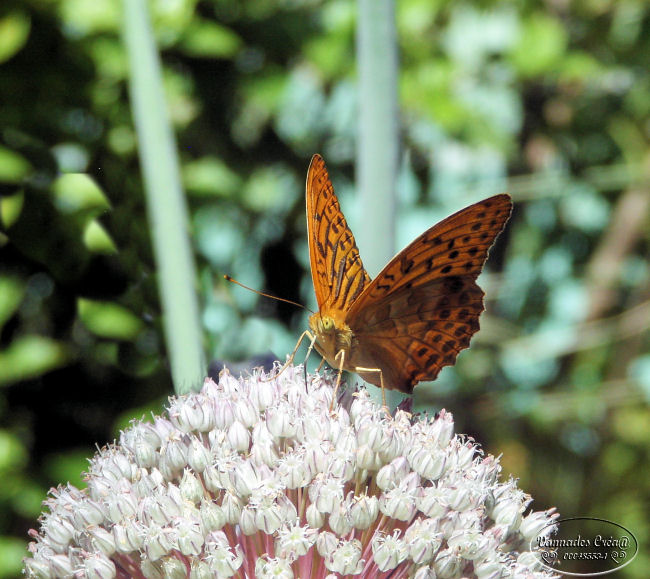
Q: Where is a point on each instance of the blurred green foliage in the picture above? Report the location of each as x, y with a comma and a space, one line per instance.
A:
549, 101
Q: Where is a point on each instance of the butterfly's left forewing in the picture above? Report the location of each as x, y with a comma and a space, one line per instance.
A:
423, 307
337, 272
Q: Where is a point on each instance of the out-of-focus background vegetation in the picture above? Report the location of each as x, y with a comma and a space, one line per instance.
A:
549, 100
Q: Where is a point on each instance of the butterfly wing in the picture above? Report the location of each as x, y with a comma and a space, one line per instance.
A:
423, 307
336, 269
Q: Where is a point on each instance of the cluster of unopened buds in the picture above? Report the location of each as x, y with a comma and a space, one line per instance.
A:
259, 478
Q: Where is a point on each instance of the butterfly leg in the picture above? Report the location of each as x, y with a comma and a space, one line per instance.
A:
381, 380
312, 340
339, 354
305, 334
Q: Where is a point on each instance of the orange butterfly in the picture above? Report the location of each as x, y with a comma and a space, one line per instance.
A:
418, 313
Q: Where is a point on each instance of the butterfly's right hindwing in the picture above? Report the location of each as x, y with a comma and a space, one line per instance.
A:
416, 332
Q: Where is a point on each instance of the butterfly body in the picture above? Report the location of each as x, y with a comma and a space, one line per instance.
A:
419, 312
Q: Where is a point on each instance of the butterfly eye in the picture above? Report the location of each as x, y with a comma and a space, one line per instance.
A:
328, 324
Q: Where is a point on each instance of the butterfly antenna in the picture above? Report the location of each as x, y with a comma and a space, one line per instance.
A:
267, 295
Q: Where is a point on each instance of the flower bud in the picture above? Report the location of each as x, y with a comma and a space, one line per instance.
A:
315, 518
99, 566
388, 550
447, 564
190, 487
364, 511
239, 437
173, 568
128, 536
212, 516
101, 540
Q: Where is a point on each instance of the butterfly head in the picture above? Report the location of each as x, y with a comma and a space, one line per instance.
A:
330, 337
323, 327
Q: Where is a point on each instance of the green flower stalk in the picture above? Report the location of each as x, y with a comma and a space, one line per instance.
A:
257, 478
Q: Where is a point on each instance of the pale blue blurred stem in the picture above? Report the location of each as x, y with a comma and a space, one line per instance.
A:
378, 146
166, 208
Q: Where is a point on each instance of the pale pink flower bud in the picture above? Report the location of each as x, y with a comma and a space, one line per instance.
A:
158, 541
198, 456
364, 511
190, 487
339, 520
315, 517
189, 535
100, 540
388, 550
239, 437
99, 566
295, 541
273, 568
212, 516
173, 568
128, 536
448, 564
61, 566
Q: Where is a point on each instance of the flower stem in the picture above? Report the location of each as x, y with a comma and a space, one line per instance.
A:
165, 202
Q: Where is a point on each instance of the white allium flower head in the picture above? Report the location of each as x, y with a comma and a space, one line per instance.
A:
256, 477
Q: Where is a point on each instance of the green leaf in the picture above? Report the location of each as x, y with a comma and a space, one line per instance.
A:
333, 52
12, 552
210, 40
109, 320
11, 294
14, 32
632, 425
210, 176
426, 88
97, 239
11, 207
264, 92
13, 454
333, 55
541, 47
83, 18
13, 167
110, 63
270, 189
577, 66
171, 19
77, 192
29, 357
